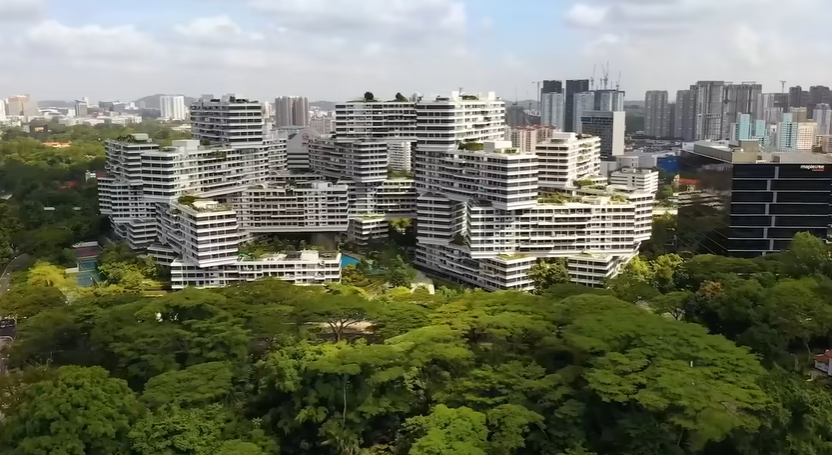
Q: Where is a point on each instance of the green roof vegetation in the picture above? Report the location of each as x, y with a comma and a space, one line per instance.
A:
396, 174
472, 146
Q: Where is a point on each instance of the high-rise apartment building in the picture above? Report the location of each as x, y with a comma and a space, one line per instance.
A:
291, 111
770, 107
798, 97
582, 102
609, 100
526, 138
818, 94
81, 109
193, 206
173, 107
738, 99
746, 128
822, 115
806, 134
799, 114
552, 87
709, 110
3, 117
786, 137
480, 216
609, 126
684, 124
553, 110
22, 105
657, 115
572, 87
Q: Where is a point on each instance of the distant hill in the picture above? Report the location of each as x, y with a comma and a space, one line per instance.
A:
152, 101
636, 103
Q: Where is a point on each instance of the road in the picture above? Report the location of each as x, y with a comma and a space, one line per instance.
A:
6, 278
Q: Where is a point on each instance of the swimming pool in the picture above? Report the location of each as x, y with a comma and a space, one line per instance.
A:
348, 260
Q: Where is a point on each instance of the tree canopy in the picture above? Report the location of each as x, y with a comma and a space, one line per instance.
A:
705, 355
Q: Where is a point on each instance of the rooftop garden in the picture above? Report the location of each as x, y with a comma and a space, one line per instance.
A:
398, 174
580, 183
557, 198
472, 146
509, 257
190, 201
618, 198
260, 247
470, 97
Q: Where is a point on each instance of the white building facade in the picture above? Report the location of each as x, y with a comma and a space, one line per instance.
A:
172, 107
194, 205
483, 217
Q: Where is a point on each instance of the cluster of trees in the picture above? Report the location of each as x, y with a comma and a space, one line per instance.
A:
697, 356
47, 205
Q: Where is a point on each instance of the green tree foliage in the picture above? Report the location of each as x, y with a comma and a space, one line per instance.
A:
47, 204
546, 273
700, 356
79, 411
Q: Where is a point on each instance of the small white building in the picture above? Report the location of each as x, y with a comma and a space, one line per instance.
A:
644, 180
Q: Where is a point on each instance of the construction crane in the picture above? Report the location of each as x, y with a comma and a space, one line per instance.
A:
618, 82
592, 78
539, 95
605, 70
782, 86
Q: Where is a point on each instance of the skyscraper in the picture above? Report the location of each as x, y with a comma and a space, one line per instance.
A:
607, 125
582, 102
81, 108
657, 114
798, 97
738, 99
609, 100
552, 110
822, 115
709, 110
291, 111
818, 94
684, 124
573, 87
22, 105
173, 107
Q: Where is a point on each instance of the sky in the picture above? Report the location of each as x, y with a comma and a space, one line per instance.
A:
338, 49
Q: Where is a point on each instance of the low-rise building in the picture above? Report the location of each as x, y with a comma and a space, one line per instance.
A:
644, 180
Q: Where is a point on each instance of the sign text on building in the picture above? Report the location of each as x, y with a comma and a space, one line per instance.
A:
812, 167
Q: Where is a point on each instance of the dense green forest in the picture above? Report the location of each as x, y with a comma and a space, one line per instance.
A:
700, 356
34, 176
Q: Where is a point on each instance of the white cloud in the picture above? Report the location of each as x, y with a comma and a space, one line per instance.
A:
670, 44
324, 49
21, 10
218, 30
586, 15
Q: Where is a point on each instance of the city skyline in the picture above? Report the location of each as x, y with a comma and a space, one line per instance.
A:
261, 49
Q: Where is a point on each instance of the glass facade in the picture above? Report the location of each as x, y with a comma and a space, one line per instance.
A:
748, 210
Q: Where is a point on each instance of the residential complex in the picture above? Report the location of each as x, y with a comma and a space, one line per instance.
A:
194, 205
485, 209
172, 107
291, 111
657, 114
